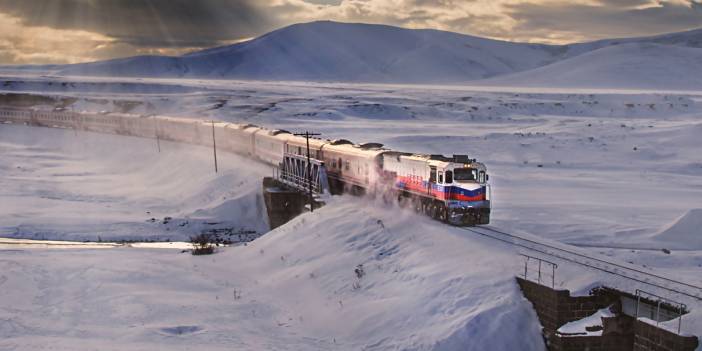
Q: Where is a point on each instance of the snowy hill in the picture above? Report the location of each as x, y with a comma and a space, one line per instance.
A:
631, 65
330, 51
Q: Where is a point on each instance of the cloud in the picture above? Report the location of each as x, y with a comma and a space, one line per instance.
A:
568, 22
37, 45
545, 21
148, 23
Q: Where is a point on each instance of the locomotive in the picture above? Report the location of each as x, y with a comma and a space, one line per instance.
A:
452, 189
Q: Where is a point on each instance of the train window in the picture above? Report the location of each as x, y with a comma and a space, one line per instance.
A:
464, 174
432, 175
348, 165
340, 163
441, 177
333, 163
481, 177
449, 177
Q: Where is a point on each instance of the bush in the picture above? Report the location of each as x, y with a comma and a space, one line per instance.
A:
202, 245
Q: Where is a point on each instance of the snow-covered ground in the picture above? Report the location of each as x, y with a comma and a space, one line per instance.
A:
59, 184
425, 286
610, 170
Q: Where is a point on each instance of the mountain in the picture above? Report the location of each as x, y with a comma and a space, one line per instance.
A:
332, 51
354, 52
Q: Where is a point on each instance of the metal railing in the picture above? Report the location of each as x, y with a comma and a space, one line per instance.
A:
541, 269
678, 307
570, 255
296, 173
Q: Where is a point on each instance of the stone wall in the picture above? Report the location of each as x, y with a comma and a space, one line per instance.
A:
621, 333
557, 307
282, 205
648, 337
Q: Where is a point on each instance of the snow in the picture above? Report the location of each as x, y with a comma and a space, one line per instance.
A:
579, 327
685, 232
633, 65
426, 287
62, 185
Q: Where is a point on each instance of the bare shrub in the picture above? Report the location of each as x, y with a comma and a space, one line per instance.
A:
202, 245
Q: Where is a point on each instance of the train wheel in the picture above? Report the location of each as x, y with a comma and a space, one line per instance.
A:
443, 214
434, 211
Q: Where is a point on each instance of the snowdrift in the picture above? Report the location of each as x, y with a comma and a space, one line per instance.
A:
684, 233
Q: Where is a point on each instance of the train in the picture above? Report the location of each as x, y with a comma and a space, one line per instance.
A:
453, 189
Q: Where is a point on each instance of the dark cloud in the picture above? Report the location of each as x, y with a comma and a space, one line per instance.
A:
150, 23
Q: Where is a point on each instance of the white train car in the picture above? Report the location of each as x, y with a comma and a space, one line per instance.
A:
16, 116
297, 145
269, 145
177, 129
357, 166
234, 138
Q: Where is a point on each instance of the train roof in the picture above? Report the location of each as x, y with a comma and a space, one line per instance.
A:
356, 150
441, 160
301, 141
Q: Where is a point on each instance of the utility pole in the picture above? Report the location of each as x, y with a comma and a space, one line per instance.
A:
158, 142
214, 146
75, 118
307, 136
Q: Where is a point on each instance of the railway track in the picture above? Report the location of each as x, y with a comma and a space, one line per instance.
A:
564, 253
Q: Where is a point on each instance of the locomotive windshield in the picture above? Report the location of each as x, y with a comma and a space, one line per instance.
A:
464, 174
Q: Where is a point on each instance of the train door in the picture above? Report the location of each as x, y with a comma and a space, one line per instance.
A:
432, 178
448, 180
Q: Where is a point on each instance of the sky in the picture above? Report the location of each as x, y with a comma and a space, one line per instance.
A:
71, 31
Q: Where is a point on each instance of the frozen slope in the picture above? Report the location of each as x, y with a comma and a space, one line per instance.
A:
331, 51
425, 286
632, 65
